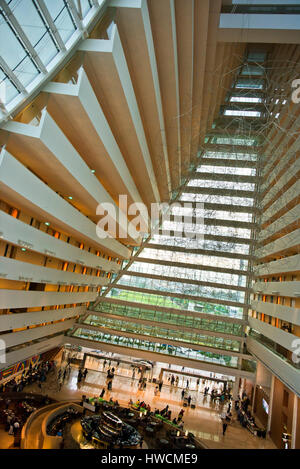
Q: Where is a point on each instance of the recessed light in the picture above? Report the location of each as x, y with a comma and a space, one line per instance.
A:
70, 197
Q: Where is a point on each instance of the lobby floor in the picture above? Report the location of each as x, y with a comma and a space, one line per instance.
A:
204, 421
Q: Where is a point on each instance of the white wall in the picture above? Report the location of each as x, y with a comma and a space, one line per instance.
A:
16, 338
21, 184
18, 320
13, 269
32, 299
15, 231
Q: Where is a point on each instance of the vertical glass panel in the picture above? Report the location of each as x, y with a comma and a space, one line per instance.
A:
245, 99
85, 7
54, 7
250, 83
13, 54
35, 30
252, 70
257, 56
28, 17
7, 90
26, 71
64, 24
46, 49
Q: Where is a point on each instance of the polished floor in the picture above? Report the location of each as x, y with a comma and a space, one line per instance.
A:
204, 421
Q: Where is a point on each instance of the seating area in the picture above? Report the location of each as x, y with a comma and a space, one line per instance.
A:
16, 408
247, 420
156, 429
56, 426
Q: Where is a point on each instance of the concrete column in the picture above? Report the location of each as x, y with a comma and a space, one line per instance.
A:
254, 394
294, 424
271, 403
239, 363
235, 389
243, 386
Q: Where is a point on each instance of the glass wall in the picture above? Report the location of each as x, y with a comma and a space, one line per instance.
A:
180, 287
174, 302
183, 352
161, 332
180, 319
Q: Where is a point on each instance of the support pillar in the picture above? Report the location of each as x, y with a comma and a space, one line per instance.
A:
235, 389
271, 404
243, 386
294, 424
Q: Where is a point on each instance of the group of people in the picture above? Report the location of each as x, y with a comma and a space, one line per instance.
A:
172, 380
175, 381
82, 374
245, 418
187, 399
221, 396
109, 363
14, 415
63, 374
115, 404
13, 424
215, 394
110, 374
33, 374
142, 405
142, 383
165, 412
158, 388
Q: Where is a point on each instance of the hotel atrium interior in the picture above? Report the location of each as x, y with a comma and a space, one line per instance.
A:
124, 326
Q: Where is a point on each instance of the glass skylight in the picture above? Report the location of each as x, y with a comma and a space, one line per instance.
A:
240, 112
245, 99
34, 42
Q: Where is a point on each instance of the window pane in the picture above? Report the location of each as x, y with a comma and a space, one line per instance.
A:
13, 54
35, 30
7, 90
54, 7
46, 49
26, 71
64, 25
85, 7
28, 17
